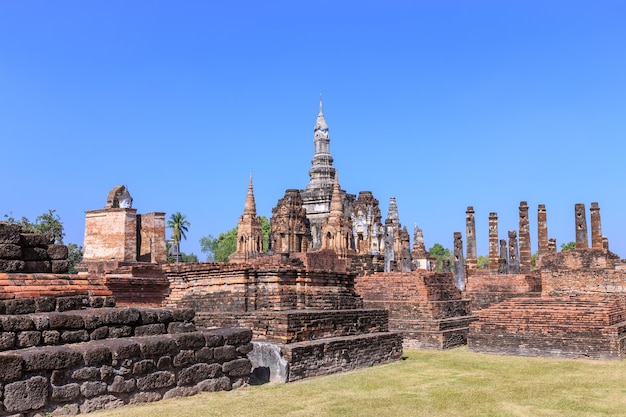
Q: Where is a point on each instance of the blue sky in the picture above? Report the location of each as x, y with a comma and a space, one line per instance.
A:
441, 104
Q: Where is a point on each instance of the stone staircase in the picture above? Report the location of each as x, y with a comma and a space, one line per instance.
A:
75, 354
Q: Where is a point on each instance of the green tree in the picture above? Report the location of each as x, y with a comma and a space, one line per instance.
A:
483, 262
568, 246
440, 253
75, 256
218, 249
50, 222
180, 225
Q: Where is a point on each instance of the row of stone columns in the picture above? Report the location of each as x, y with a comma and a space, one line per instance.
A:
509, 257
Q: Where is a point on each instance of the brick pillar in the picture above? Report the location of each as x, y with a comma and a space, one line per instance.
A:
552, 245
493, 242
525, 256
605, 242
596, 227
470, 235
503, 262
459, 267
582, 241
542, 230
513, 253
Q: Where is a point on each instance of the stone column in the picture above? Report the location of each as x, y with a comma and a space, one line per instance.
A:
596, 228
470, 235
459, 267
525, 256
493, 242
503, 264
582, 241
513, 253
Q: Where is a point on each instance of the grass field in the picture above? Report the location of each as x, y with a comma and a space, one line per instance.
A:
426, 383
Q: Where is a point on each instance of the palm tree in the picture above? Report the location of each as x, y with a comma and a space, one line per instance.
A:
179, 224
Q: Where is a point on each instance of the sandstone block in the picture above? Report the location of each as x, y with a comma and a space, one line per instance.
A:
157, 346
180, 392
184, 357
47, 358
65, 393
12, 265
178, 327
96, 355
216, 384
36, 239
238, 367
74, 336
100, 403
37, 267
94, 319
150, 329
122, 349
45, 304
143, 367
62, 321
225, 353
121, 385
10, 233
75, 302
123, 316
183, 314
145, 397
41, 321
165, 362
91, 389
16, 323
28, 338
59, 377
213, 340
20, 306
34, 254
60, 266
10, 251
57, 252
156, 380
10, 367
235, 336
204, 354
189, 340
51, 337
199, 372
99, 333
120, 331
26, 395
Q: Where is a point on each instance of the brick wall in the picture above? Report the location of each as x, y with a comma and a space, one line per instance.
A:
484, 289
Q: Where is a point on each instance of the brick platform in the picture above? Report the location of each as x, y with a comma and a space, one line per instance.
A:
485, 289
576, 327
425, 306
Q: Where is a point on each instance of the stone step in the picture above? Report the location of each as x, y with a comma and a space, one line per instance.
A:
82, 377
75, 326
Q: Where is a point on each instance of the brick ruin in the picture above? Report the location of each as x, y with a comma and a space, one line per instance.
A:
572, 306
66, 348
22, 251
304, 322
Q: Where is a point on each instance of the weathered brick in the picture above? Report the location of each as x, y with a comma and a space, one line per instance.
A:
30, 394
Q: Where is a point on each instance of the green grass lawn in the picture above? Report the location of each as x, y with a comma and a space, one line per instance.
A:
426, 383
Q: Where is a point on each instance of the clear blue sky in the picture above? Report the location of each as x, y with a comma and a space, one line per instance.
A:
441, 104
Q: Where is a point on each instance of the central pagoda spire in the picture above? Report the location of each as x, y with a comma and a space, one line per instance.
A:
322, 171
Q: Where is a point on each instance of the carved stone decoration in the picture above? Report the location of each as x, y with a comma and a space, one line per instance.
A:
249, 231
405, 252
513, 253
119, 197
337, 228
367, 230
503, 262
289, 224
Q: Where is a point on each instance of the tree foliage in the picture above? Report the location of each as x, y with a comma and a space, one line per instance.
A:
568, 246
180, 225
483, 262
218, 249
440, 253
75, 256
49, 222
